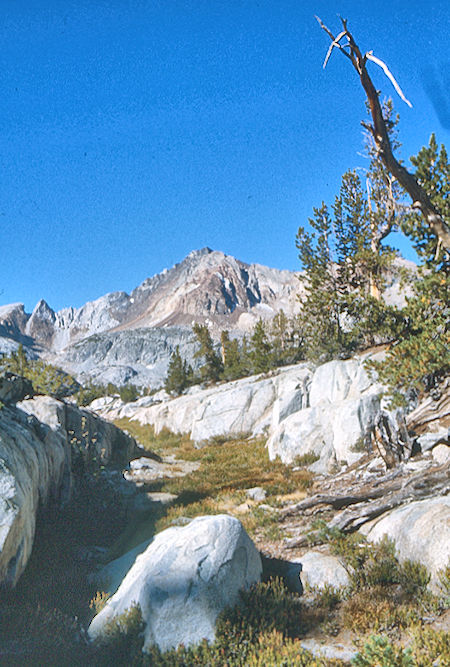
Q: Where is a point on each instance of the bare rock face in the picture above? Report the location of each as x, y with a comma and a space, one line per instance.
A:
88, 435
184, 579
40, 439
14, 388
243, 406
420, 531
34, 469
13, 321
342, 405
326, 413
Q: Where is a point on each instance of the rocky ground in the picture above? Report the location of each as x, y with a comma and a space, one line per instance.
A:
316, 520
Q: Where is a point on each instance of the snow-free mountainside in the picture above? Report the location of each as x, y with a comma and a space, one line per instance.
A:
271, 513
235, 465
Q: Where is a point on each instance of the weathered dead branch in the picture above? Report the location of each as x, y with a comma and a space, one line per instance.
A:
391, 491
379, 132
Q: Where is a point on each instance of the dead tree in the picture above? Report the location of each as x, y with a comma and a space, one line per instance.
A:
379, 132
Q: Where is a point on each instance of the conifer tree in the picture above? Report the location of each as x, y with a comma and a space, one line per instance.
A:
420, 358
320, 319
177, 374
212, 367
260, 351
231, 356
343, 261
286, 340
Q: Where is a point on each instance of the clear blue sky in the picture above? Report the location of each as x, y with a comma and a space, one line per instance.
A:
133, 131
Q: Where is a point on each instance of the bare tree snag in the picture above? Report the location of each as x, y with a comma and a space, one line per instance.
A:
378, 130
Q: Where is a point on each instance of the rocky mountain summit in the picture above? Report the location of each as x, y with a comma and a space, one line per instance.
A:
124, 337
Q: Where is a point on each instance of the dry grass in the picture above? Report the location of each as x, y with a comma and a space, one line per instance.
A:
225, 471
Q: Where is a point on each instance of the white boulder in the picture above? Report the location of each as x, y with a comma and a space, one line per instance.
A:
184, 579
343, 404
320, 570
420, 531
242, 406
441, 454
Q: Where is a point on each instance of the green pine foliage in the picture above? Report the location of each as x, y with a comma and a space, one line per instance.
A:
260, 349
179, 374
419, 359
90, 392
212, 367
45, 378
233, 356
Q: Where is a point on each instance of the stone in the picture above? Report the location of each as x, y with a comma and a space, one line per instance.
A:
343, 403
242, 407
88, 434
110, 576
145, 470
184, 579
34, 470
420, 531
256, 493
441, 454
428, 441
320, 570
14, 388
330, 649
40, 440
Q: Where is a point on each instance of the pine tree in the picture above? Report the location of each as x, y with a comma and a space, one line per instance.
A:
177, 378
286, 340
212, 367
260, 350
344, 265
320, 318
231, 357
420, 358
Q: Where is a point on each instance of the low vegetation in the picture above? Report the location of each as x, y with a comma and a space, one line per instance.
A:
225, 471
48, 612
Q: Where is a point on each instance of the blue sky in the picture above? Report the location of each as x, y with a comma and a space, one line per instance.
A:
133, 132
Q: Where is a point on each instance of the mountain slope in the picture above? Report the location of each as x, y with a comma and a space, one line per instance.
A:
124, 337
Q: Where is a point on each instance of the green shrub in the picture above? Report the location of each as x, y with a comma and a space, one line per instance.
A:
121, 640
128, 393
379, 651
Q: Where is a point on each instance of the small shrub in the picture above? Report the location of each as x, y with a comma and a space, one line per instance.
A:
444, 585
379, 651
305, 459
98, 601
413, 578
360, 446
430, 647
128, 393
121, 640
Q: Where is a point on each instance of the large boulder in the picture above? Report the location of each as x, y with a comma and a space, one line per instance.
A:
34, 469
41, 441
420, 531
91, 437
342, 406
184, 579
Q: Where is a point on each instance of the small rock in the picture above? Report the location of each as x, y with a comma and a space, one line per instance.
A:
429, 440
441, 454
256, 493
329, 650
320, 570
